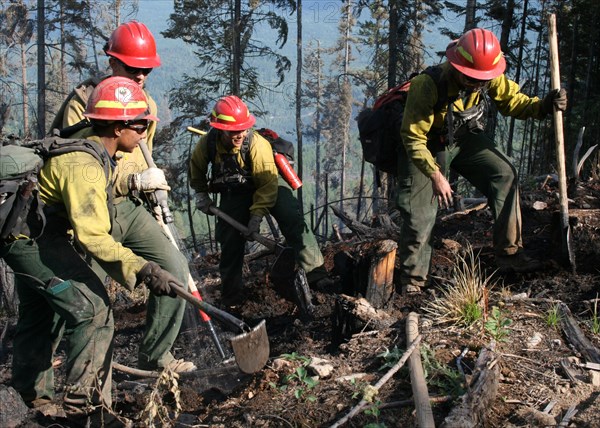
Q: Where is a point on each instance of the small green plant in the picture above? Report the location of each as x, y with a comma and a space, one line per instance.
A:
471, 313
448, 380
553, 317
595, 321
390, 357
497, 325
373, 409
300, 378
295, 357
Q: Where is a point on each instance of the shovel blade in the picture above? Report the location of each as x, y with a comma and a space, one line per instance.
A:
251, 349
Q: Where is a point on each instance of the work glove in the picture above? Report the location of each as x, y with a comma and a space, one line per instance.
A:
148, 180
253, 226
157, 279
204, 202
555, 98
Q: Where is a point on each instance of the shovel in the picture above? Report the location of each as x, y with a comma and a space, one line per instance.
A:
285, 261
566, 251
251, 348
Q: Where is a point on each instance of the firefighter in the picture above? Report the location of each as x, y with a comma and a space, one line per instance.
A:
243, 172
131, 51
55, 284
473, 76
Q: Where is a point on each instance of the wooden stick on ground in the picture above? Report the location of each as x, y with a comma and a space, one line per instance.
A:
372, 391
417, 377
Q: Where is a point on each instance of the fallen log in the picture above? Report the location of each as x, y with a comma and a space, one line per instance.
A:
471, 412
417, 376
576, 336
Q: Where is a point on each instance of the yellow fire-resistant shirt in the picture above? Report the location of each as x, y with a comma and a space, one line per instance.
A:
264, 171
420, 119
127, 163
77, 181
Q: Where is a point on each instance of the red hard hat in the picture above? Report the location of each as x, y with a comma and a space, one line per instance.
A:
118, 98
231, 114
133, 44
477, 54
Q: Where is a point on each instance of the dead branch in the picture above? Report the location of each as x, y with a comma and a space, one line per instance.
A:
482, 392
387, 230
371, 391
576, 336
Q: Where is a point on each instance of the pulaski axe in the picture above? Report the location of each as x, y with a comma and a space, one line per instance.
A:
566, 251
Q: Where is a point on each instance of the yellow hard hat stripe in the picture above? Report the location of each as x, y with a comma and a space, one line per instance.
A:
120, 105
223, 117
465, 54
497, 58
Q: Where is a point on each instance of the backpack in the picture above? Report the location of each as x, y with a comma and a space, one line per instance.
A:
379, 126
21, 209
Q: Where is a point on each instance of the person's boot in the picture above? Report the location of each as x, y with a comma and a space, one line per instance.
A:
518, 263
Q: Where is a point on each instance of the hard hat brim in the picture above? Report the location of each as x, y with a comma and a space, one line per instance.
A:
137, 62
455, 60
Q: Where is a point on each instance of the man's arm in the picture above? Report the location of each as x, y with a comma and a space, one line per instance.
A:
78, 181
264, 174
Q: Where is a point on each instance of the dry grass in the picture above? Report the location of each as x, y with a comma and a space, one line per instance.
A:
158, 412
463, 300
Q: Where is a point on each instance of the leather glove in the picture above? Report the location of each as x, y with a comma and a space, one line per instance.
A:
555, 98
157, 279
253, 226
149, 179
204, 202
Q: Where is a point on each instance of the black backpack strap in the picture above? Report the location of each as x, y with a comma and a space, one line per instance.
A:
70, 130
211, 145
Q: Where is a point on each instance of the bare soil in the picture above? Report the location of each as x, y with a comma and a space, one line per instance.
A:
532, 375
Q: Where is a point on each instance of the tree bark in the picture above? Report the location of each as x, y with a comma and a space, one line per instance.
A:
41, 69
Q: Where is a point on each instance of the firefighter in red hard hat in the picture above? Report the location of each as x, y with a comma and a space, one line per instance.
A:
471, 78
56, 285
132, 54
237, 162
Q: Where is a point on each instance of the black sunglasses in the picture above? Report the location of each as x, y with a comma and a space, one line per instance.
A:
135, 71
138, 127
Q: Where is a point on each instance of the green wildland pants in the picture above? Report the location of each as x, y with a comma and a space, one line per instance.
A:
138, 230
57, 287
293, 227
476, 158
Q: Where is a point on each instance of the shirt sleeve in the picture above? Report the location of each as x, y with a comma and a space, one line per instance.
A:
78, 181
511, 101
417, 121
264, 174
